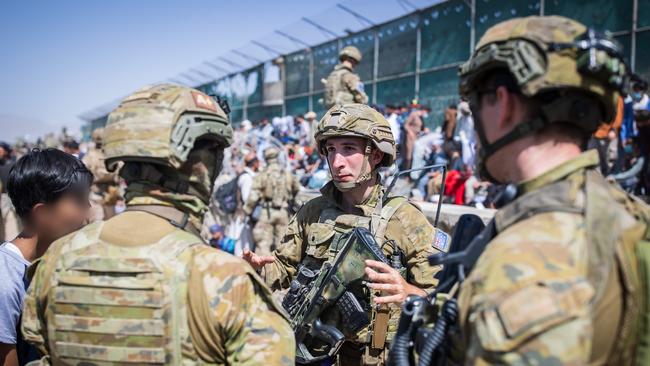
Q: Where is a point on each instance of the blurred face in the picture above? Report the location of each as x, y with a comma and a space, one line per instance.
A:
54, 220
345, 156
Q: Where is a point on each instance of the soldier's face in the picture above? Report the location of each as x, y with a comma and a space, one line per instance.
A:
346, 155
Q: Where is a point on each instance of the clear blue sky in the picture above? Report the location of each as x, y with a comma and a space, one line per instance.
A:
61, 58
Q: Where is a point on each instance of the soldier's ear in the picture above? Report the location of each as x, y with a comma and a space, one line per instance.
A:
376, 156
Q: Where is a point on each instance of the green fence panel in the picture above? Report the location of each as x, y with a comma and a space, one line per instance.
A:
254, 84
438, 90
396, 91
365, 42
491, 12
445, 34
326, 56
236, 116
611, 15
255, 114
297, 106
643, 54
271, 111
643, 18
297, 71
626, 41
317, 103
397, 46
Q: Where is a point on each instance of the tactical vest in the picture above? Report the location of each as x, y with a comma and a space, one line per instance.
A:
335, 91
611, 217
324, 240
113, 304
277, 187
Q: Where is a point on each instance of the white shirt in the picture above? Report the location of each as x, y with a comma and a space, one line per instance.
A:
394, 126
245, 183
14, 249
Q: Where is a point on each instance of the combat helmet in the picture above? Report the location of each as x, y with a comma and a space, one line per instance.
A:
559, 62
357, 120
164, 128
271, 154
350, 52
161, 124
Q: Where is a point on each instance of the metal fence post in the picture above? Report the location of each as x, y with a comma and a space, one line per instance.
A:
375, 67
418, 49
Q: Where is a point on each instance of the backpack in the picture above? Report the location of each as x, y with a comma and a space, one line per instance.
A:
228, 196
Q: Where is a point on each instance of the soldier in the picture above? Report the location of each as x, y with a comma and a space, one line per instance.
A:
142, 287
357, 141
105, 190
273, 191
557, 284
343, 85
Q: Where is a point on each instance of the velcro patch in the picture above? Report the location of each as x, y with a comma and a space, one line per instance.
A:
528, 307
203, 101
441, 241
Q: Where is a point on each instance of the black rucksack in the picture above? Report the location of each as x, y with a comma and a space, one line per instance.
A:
228, 196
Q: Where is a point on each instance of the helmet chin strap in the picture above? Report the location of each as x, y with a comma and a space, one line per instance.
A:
488, 149
365, 175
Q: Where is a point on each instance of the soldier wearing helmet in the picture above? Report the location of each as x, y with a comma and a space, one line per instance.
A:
142, 287
272, 194
105, 190
356, 140
343, 85
557, 282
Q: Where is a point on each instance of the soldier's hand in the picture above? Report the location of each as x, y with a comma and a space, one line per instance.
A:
394, 287
257, 261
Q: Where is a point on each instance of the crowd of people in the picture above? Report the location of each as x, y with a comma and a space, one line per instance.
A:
622, 146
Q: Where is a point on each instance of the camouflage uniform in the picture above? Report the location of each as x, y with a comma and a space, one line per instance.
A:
313, 234
105, 190
343, 86
273, 189
142, 287
558, 284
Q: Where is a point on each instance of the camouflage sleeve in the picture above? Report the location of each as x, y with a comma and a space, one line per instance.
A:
32, 324
355, 86
296, 186
415, 236
288, 255
254, 196
232, 316
526, 303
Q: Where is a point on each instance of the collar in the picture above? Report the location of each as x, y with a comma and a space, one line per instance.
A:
587, 159
333, 195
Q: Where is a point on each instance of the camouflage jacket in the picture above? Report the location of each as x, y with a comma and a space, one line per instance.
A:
274, 186
343, 86
94, 161
174, 301
312, 230
556, 284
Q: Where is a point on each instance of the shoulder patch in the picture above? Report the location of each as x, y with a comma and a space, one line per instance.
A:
441, 241
530, 312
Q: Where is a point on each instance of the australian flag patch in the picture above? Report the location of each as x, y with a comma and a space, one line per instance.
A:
441, 241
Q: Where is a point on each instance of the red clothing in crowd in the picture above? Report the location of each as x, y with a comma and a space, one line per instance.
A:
455, 186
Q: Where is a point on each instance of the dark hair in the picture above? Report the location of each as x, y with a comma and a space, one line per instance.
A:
44, 176
251, 162
71, 144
